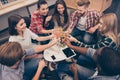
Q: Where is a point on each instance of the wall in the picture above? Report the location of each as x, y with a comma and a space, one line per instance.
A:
3, 18
115, 8
99, 5
24, 11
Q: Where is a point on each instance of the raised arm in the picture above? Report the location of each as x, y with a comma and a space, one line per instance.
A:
72, 22
103, 42
76, 48
74, 70
40, 48
39, 70
45, 38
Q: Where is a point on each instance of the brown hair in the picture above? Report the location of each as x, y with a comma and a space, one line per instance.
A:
111, 23
83, 2
13, 20
10, 53
57, 15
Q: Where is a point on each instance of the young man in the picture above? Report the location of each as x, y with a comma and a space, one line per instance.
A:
12, 59
82, 22
39, 19
107, 60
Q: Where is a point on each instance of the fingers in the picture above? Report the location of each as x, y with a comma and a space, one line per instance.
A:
48, 18
73, 67
42, 63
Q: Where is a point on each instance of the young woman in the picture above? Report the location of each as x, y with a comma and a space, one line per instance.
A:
61, 16
40, 19
19, 33
108, 32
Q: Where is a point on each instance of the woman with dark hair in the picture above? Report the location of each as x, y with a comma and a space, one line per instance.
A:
20, 33
61, 16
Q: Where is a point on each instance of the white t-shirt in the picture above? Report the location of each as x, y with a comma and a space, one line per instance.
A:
25, 41
82, 23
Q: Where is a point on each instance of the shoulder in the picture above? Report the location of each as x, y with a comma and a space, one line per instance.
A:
74, 16
29, 51
12, 38
94, 12
74, 13
9, 74
35, 14
27, 30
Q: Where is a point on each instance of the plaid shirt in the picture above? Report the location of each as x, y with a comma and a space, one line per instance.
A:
36, 22
91, 15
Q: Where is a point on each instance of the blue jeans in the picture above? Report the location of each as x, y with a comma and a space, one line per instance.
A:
63, 70
84, 73
82, 36
86, 61
30, 68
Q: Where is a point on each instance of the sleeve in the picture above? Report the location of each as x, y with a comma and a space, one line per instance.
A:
29, 51
11, 39
90, 52
38, 24
72, 20
105, 42
33, 35
97, 15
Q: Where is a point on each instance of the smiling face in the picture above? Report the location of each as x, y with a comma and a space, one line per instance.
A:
21, 26
81, 10
43, 10
60, 8
102, 27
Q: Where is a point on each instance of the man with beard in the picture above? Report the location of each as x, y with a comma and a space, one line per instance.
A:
82, 22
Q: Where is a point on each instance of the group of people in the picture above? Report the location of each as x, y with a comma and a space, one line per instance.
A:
92, 35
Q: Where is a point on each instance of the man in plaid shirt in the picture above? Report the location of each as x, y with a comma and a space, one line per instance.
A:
82, 22
40, 20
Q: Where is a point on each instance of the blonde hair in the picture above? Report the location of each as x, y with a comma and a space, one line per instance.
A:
111, 23
10, 53
83, 2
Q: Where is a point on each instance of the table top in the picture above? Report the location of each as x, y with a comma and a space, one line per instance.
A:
55, 53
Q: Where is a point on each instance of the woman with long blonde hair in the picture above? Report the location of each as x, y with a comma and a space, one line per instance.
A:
107, 27
110, 23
